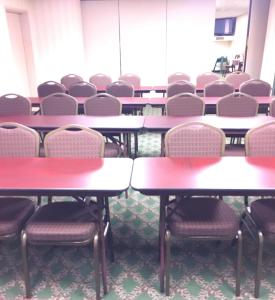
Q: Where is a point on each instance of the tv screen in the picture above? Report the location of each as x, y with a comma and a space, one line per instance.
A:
225, 26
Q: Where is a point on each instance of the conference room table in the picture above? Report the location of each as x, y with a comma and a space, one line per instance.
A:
234, 176
134, 103
139, 90
126, 125
40, 176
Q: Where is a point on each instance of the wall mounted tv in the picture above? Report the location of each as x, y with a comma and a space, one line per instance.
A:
225, 26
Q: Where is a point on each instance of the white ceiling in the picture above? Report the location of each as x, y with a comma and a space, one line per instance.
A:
231, 8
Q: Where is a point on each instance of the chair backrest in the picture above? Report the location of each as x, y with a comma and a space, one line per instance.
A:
256, 87
74, 141
100, 80
17, 140
206, 78
237, 78
13, 104
272, 108
131, 79
179, 87
185, 104
102, 105
218, 88
59, 104
237, 105
178, 76
194, 139
260, 141
49, 87
120, 89
70, 79
82, 89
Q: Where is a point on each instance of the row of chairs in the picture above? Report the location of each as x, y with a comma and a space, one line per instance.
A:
195, 218
219, 88
209, 218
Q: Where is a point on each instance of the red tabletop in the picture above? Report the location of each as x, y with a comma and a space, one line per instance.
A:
164, 123
105, 124
204, 176
64, 176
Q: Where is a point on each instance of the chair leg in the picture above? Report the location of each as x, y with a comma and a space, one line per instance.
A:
26, 272
167, 262
97, 266
260, 247
239, 263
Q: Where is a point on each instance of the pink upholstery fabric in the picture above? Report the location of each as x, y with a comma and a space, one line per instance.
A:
120, 89
206, 78
59, 104
178, 76
74, 141
50, 87
100, 80
272, 108
70, 79
131, 79
17, 140
82, 89
185, 104
102, 105
218, 88
237, 78
180, 87
260, 141
237, 105
194, 139
13, 104
256, 87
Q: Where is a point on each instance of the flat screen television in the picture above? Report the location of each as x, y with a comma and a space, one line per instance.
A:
225, 26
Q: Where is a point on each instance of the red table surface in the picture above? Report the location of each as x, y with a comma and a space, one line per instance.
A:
199, 176
64, 176
119, 123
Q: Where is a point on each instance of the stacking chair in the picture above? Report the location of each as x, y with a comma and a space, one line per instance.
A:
16, 140
206, 78
105, 105
13, 104
218, 88
256, 87
272, 108
180, 87
82, 89
70, 79
100, 80
120, 89
260, 214
73, 223
130, 79
237, 78
199, 218
185, 104
59, 104
178, 76
50, 87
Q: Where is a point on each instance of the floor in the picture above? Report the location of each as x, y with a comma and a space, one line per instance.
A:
200, 270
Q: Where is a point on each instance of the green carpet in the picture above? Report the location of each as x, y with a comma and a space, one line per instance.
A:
199, 270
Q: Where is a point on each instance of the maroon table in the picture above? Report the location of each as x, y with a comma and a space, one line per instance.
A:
126, 125
163, 176
98, 177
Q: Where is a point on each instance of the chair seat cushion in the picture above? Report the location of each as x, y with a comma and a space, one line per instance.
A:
14, 212
201, 217
263, 213
112, 150
62, 222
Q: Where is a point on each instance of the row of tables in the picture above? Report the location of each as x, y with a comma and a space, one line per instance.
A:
132, 125
140, 102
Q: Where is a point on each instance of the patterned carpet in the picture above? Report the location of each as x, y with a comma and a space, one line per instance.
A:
199, 270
